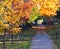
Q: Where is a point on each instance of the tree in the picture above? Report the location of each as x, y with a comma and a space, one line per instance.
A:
9, 17
15, 12
48, 7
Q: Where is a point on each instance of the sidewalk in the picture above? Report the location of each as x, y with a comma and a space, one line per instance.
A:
42, 42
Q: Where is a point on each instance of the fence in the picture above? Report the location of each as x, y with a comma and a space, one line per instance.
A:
11, 38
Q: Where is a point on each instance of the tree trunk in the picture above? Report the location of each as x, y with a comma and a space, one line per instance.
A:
12, 38
4, 41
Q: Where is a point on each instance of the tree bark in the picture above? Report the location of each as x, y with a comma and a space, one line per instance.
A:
4, 41
12, 38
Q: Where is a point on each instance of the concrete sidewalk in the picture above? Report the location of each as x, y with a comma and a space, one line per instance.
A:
42, 42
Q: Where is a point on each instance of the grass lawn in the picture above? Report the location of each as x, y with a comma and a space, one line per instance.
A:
52, 31
19, 45
25, 35
24, 44
30, 32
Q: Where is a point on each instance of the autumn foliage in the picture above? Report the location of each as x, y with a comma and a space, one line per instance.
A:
15, 12
48, 7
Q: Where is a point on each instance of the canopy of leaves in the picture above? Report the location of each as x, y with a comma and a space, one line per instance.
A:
48, 7
15, 12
